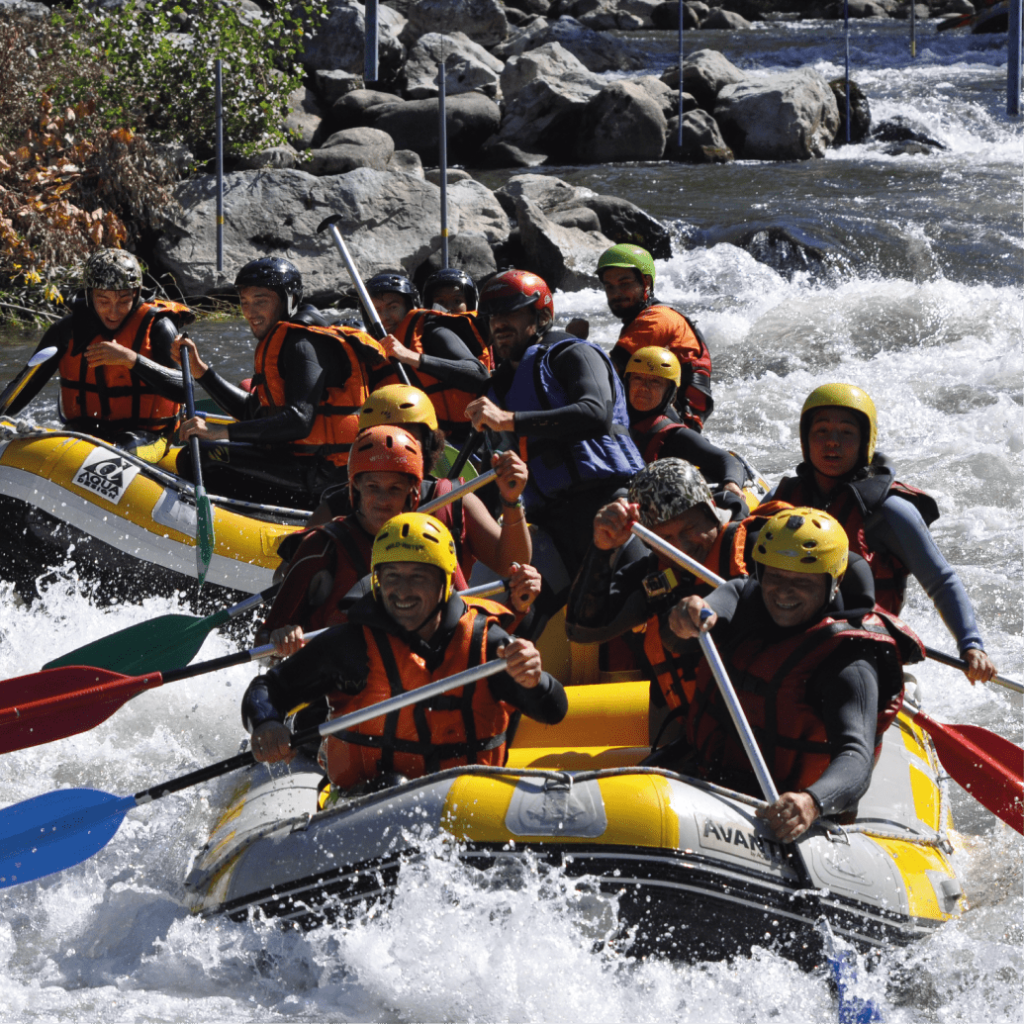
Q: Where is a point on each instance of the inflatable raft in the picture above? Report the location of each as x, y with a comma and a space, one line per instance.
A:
695, 875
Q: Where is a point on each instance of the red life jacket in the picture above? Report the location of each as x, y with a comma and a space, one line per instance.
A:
466, 726
337, 417
855, 504
449, 403
114, 393
772, 678
453, 515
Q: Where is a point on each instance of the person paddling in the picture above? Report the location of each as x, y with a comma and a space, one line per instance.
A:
411, 630
118, 378
887, 521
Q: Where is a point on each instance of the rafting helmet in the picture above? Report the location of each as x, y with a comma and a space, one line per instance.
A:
397, 403
414, 537
385, 449
804, 540
277, 274
631, 256
843, 396
512, 290
392, 281
658, 362
112, 270
450, 277
669, 487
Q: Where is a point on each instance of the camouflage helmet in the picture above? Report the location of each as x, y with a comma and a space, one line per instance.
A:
669, 487
112, 270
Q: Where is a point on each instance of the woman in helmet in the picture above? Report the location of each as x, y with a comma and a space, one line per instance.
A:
412, 630
301, 417
819, 682
118, 378
886, 521
652, 376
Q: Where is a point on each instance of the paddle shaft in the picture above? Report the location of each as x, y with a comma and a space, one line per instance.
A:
948, 659
472, 443
20, 382
486, 589
459, 492
204, 510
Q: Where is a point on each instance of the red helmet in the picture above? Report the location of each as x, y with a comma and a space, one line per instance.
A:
385, 449
514, 289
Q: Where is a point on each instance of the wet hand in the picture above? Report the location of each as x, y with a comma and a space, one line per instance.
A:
109, 353
512, 475
790, 816
482, 412
524, 587
399, 352
980, 667
198, 427
733, 488
685, 618
195, 363
522, 662
613, 523
578, 327
288, 640
271, 742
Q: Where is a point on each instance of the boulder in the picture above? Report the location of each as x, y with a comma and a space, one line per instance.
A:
666, 16
622, 122
791, 116
479, 211
303, 120
527, 37
484, 21
565, 257
25, 11
354, 147
388, 220
598, 51
517, 18
471, 120
549, 193
623, 221
551, 61
581, 217
543, 116
496, 153
724, 19
468, 67
605, 15
903, 135
858, 9
666, 97
405, 161
454, 174
336, 43
358, 109
531, 7
332, 85
274, 156
469, 252
702, 140
705, 74
860, 111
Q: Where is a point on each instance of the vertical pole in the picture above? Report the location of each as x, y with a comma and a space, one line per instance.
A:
219, 102
370, 62
1013, 62
442, 159
679, 138
846, 16
913, 28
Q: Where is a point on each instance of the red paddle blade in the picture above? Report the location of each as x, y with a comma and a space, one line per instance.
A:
988, 766
61, 702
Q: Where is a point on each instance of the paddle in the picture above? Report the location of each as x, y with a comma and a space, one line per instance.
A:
988, 766
159, 645
20, 382
948, 659
459, 492
62, 828
60, 702
204, 510
376, 327
472, 443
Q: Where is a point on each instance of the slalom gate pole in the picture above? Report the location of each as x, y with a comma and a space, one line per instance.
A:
442, 159
679, 135
846, 32
1013, 61
219, 102
913, 28
370, 61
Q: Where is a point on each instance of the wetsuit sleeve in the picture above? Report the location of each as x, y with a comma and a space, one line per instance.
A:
447, 357
335, 660
590, 403
545, 703
904, 534
716, 464
304, 381
243, 405
845, 694
607, 597
59, 336
161, 372
723, 600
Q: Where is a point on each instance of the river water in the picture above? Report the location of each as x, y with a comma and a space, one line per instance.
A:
919, 301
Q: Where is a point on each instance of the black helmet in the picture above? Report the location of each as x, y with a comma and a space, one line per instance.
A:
450, 276
390, 281
276, 273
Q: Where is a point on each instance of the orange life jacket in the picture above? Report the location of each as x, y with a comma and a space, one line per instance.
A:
665, 327
854, 504
465, 726
114, 393
771, 678
337, 417
449, 403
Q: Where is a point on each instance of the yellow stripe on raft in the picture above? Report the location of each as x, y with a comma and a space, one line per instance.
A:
913, 862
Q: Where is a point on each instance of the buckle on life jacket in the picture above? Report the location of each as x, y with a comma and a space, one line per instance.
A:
660, 584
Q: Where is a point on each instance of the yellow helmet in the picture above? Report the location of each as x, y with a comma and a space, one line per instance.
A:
397, 403
843, 396
414, 537
659, 362
804, 540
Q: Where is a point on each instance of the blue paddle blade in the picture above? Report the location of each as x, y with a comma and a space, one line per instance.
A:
56, 831
842, 964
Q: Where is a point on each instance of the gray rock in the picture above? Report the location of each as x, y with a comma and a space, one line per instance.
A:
598, 51
532, 7
332, 85
303, 120
273, 157
624, 15
858, 9
354, 147
479, 211
405, 161
526, 37
581, 217
905, 136
705, 74
549, 193
469, 252
860, 111
543, 116
336, 44
23, 10
725, 20
454, 174
359, 108
484, 21
702, 140
551, 61
495, 153
666, 16
622, 122
471, 120
791, 116
468, 67
623, 221
388, 220
666, 97
565, 257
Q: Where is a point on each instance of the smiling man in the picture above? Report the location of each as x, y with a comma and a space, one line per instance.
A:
819, 682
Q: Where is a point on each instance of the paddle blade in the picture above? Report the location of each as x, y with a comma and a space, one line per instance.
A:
159, 645
56, 831
204, 533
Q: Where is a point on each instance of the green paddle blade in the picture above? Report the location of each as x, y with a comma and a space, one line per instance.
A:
204, 533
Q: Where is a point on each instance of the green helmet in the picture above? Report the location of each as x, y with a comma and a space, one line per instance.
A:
112, 270
626, 255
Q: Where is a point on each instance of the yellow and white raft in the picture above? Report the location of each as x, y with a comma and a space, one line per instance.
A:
57, 488
694, 873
